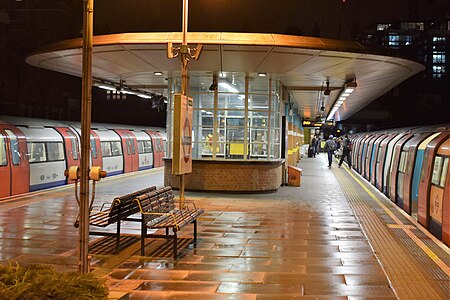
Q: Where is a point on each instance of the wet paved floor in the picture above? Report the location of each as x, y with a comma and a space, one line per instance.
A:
300, 242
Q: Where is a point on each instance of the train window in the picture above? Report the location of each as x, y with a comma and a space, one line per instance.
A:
436, 170
106, 149
74, 144
3, 160
14, 144
93, 147
55, 151
148, 147
144, 147
129, 143
403, 158
36, 152
444, 172
140, 147
133, 148
379, 155
116, 148
159, 143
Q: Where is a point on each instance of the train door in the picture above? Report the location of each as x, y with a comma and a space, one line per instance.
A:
426, 176
130, 153
397, 167
14, 167
96, 153
373, 169
362, 154
417, 171
357, 152
404, 197
5, 167
158, 151
71, 147
439, 183
369, 154
388, 164
380, 161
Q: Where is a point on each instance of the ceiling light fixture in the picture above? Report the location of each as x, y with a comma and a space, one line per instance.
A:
157, 73
349, 87
262, 74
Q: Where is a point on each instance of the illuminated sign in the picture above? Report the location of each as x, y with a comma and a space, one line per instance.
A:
308, 123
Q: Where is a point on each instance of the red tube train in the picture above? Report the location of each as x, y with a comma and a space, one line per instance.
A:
411, 167
34, 153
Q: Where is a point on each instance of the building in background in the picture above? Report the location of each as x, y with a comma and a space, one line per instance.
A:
424, 98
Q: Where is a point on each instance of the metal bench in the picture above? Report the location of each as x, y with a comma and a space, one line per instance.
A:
158, 211
121, 209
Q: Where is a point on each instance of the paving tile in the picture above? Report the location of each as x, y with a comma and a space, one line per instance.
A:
248, 288
185, 286
241, 277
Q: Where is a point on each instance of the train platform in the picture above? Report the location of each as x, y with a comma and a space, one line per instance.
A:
334, 237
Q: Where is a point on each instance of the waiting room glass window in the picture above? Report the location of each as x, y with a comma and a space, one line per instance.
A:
3, 160
14, 145
237, 117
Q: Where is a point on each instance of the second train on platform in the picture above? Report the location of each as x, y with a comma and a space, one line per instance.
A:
34, 153
411, 167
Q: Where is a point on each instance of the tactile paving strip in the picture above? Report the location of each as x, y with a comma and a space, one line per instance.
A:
404, 271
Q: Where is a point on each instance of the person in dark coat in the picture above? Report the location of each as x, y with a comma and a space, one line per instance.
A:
346, 152
330, 147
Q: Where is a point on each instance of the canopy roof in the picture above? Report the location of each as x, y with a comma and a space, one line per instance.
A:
303, 64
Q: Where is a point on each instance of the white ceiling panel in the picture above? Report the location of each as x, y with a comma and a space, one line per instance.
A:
303, 64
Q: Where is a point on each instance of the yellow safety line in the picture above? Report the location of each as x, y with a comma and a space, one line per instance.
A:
418, 242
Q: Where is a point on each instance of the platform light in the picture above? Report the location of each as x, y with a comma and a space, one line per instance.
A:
157, 73
262, 74
349, 88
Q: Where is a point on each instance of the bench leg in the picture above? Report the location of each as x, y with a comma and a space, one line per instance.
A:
167, 230
143, 236
118, 237
195, 229
175, 244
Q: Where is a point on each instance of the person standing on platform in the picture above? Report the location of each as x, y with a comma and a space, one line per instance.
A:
330, 147
346, 152
314, 144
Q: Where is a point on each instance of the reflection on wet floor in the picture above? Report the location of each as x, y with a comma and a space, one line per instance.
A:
298, 242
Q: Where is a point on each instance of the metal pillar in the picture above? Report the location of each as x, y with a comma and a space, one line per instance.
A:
184, 52
83, 251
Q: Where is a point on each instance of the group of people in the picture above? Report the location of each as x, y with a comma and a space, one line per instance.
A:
331, 145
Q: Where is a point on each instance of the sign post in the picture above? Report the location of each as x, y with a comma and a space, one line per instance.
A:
182, 134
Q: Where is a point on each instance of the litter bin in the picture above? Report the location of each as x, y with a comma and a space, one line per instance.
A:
294, 176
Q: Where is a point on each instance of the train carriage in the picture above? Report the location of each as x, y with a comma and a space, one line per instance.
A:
429, 175
397, 167
45, 148
129, 153
377, 146
145, 150
111, 151
14, 166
